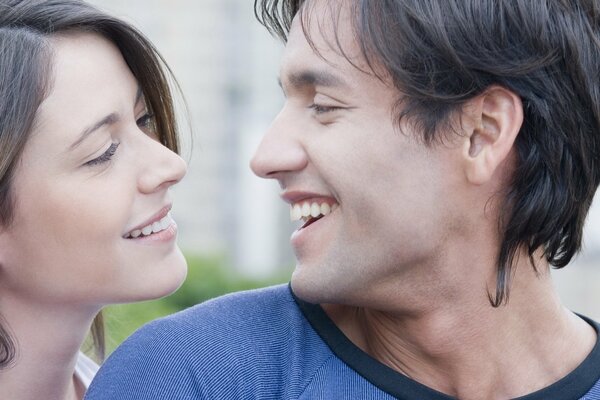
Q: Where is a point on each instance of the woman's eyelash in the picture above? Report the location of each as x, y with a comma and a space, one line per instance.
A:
145, 121
106, 156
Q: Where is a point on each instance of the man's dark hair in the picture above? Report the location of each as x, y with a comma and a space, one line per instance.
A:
441, 53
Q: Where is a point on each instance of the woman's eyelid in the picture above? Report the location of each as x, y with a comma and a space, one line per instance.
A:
143, 118
104, 157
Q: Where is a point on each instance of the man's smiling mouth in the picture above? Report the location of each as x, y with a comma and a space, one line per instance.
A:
310, 212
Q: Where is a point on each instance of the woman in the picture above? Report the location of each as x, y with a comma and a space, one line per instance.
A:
88, 149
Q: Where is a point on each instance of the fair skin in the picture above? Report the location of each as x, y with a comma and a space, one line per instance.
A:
405, 256
68, 251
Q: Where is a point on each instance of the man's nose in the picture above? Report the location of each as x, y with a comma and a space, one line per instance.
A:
280, 150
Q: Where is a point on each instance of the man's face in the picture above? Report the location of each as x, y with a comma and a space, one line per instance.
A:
383, 200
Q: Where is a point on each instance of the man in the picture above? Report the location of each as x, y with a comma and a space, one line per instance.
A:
443, 156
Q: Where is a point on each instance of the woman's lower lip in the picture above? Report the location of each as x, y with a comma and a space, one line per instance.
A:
163, 236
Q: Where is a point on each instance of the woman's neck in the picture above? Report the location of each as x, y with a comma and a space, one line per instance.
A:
47, 339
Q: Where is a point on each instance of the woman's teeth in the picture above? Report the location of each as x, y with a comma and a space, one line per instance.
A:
307, 210
155, 227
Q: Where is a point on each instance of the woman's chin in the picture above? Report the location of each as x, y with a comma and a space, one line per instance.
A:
171, 275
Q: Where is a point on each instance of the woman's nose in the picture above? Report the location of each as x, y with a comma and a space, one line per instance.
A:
164, 168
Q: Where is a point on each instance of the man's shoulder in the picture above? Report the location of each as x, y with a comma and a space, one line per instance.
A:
248, 301
237, 342
246, 310
259, 314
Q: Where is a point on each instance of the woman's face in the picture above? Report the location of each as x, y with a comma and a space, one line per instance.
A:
92, 175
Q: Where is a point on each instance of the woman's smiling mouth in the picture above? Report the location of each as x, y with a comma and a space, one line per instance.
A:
152, 228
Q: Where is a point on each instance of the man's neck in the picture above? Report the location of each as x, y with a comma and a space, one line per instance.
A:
471, 350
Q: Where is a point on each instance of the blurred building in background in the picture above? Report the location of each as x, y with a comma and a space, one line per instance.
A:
227, 65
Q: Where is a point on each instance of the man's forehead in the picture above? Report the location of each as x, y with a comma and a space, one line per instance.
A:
318, 56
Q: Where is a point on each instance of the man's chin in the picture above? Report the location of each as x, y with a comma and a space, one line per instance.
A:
313, 288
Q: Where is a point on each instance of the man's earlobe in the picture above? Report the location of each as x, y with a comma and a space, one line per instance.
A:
497, 116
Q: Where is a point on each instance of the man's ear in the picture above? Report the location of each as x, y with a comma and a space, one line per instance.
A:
495, 118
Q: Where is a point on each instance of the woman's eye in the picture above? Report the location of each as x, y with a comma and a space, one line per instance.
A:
146, 121
105, 157
321, 109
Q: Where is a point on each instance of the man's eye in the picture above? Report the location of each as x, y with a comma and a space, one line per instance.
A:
321, 109
105, 157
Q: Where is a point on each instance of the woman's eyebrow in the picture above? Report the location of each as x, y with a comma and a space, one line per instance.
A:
108, 120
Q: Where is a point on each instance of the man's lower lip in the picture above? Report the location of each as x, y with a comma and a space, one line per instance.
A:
311, 221
163, 236
299, 234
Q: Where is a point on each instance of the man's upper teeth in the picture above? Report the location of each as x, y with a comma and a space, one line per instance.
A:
154, 227
307, 209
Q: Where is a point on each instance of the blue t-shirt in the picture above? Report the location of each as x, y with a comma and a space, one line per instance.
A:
267, 344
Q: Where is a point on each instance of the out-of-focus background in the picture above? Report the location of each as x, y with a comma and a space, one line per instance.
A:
233, 228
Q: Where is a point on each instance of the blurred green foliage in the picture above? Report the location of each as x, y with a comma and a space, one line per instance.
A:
207, 278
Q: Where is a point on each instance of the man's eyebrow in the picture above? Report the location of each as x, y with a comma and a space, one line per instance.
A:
305, 78
108, 120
